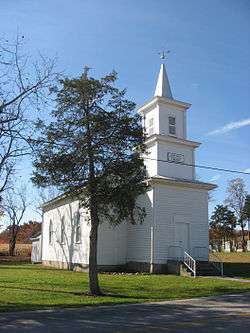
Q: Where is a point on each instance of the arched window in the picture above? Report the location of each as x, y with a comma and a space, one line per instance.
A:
50, 231
62, 230
77, 227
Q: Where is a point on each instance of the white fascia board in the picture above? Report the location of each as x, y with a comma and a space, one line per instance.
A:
163, 100
181, 183
169, 139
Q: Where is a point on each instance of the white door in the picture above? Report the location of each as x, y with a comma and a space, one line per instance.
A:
182, 235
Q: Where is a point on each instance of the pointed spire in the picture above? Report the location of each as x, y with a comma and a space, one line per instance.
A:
163, 88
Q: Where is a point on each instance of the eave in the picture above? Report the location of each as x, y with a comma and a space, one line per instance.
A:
163, 100
177, 182
170, 139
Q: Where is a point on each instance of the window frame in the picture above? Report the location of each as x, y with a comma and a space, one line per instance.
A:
62, 235
51, 231
171, 125
151, 126
78, 230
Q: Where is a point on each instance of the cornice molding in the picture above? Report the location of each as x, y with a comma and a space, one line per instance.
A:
163, 100
181, 183
170, 139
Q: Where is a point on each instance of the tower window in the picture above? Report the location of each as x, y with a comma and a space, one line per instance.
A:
151, 126
172, 125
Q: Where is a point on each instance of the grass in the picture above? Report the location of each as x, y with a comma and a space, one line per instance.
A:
235, 257
28, 287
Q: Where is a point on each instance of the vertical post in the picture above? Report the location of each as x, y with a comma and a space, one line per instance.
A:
151, 250
221, 269
194, 269
248, 225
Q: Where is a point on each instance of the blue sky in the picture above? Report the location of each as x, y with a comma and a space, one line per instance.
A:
209, 63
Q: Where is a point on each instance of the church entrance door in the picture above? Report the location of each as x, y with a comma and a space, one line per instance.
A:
182, 235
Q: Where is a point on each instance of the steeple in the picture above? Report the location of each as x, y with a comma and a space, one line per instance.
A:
163, 88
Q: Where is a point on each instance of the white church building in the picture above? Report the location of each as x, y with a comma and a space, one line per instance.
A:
176, 221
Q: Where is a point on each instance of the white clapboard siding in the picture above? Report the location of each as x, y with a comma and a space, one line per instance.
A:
69, 250
139, 236
112, 244
112, 241
191, 204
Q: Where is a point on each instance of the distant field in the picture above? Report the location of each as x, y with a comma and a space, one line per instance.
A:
234, 257
23, 250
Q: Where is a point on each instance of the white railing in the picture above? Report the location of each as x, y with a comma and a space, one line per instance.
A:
175, 252
190, 263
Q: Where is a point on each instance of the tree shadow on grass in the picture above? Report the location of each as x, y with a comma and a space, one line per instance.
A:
201, 292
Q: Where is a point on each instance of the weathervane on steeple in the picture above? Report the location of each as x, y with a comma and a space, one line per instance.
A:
163, 54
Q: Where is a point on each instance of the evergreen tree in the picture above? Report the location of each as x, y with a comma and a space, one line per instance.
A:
91, 150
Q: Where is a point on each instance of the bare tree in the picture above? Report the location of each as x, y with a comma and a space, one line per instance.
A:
236, 196
15, 205
23, 86
44, 195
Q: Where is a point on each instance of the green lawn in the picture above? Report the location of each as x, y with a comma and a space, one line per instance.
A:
26, 286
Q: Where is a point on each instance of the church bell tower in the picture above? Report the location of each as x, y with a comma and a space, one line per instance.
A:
170, 153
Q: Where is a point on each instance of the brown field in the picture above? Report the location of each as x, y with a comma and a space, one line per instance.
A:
22, 250
234, 257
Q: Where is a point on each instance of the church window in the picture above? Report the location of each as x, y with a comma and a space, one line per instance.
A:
172, 125
77, 227
151, 126
62, 230
50, 231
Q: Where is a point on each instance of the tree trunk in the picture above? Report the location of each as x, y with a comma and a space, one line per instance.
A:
12, 247
12, 241
93, 238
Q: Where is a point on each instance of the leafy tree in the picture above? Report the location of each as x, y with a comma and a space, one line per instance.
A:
26, 230
236, 195
223, 221
88, 151
246, 211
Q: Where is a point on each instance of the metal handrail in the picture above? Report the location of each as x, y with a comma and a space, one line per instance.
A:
190, 263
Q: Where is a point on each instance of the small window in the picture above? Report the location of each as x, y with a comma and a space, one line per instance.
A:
77, 227
172, 125
151, 126
62, 231
50, 231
